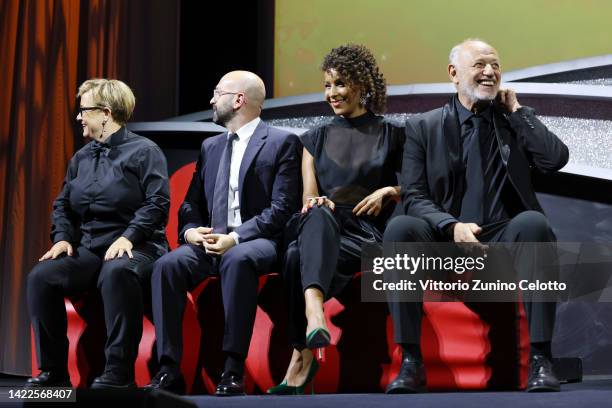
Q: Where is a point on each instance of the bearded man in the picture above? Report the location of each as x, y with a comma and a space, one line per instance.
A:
466, 179
242, 194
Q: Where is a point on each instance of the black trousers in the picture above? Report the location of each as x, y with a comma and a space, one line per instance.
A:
528, 226
182, 269
326, 254
120, 282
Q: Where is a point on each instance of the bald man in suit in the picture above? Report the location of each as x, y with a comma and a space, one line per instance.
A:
242, 194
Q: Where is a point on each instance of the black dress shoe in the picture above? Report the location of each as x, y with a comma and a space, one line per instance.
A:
541, 376
230, 385
113, 379
167, 380
49, 379
411, 379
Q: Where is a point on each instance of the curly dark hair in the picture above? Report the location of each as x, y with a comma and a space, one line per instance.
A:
356, 64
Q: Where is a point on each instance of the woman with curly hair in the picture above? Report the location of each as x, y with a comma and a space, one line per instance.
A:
349, 172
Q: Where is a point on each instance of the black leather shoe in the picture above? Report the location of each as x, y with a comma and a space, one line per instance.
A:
541, 376
230, 385
49, 379
167, 380
113, 379
411, 379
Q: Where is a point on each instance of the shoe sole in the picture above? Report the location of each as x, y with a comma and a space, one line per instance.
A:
402, 390
60, 385
284, 393
179, 389
113, 387
544, 389
218, 394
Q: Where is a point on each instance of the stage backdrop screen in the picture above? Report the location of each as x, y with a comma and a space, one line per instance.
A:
411, 39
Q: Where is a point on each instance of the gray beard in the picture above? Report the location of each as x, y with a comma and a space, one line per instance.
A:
470, 93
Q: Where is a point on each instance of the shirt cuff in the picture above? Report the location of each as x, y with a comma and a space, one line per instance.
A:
445, 223
61, 236
134, 235
524, 110
185, 234
235, 236
523, 116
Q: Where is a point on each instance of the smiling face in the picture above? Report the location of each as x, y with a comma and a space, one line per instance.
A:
341, 96
476, 73
92, 120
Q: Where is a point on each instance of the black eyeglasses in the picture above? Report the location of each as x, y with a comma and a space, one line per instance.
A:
88, 108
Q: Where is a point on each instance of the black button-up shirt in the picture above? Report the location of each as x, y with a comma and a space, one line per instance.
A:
496, 184
113, 189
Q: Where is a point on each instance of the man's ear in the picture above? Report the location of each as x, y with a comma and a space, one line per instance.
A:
452, 73
240, 100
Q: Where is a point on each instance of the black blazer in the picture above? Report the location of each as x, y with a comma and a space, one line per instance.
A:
432, 177
268, 184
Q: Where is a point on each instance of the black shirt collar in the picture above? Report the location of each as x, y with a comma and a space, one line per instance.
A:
117, 138
464, 114
362, 120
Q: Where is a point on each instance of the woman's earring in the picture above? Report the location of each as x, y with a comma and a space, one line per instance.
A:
363, 101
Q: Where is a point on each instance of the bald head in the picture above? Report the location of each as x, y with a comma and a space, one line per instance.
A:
247, 82
238, 99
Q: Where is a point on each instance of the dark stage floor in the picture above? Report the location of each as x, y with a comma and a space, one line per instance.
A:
593, 392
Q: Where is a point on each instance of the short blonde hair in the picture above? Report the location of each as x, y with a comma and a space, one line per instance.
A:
113, 94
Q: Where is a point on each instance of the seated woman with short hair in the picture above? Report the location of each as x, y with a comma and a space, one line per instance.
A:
108, 226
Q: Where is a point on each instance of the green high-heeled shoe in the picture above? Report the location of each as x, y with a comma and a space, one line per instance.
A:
284, 389
318, 338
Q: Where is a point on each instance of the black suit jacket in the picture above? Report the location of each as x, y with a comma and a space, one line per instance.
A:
432, 178
268, 184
